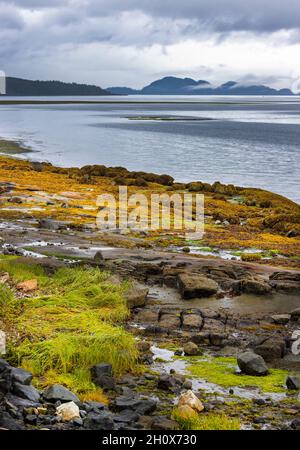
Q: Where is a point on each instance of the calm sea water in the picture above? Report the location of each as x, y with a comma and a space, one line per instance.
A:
250, 141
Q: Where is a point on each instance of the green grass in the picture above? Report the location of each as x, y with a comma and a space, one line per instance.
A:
203, 421
73, 321
221, 371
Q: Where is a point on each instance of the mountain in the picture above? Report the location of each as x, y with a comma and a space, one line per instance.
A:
188, 86
20, 87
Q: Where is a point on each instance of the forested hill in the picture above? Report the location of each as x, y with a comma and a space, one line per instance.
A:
19, 86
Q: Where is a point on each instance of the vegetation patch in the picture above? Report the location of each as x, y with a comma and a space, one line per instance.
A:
222, 371
73, 321
203, 421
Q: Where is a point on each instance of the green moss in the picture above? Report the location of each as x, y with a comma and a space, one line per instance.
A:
203, 421
221, 371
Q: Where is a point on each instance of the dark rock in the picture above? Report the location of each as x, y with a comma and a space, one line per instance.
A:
163, 423
102, 376
27, 392
252, 364
192, 285
5, 378
98, 256
295, 424
21, 403
293, 382
167, 382
7, 422
187, 385
126, 416
295, 314
133, 402
217, 339
31, 419
21, 376
59, 392
271, 349
143, 346
100, 421
201, 338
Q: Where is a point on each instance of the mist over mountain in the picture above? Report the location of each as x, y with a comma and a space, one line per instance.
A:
187, 86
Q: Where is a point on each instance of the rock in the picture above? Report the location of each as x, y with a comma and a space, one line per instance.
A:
17, 200
100, 421
136, 295
192, 285
256, 286
5, 377
48, 224
178, 352
201, 338
187, 385
27, 286
27, 392
126, 416
102, 376
167, 382
271, 349
163, 423
281, 319
293, 382
295, 424
68, 411
8, 423
98, 256
143, 346
188, 398
31, 419
191, 349
252, 364
21, 376
217, 339
135, 403
192, 322
58, 392
170, 321
295, 314
147, 316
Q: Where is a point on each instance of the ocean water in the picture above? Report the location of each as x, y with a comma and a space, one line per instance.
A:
247, 141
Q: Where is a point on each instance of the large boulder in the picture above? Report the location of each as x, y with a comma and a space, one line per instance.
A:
57, 392
281, 319
136, 295
271, 349
252, 364
192, 285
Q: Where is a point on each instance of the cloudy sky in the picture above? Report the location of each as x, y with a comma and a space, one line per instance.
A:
132, 42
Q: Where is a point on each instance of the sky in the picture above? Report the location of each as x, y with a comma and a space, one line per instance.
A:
133, 42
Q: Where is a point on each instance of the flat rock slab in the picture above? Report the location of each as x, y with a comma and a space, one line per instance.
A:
192, 285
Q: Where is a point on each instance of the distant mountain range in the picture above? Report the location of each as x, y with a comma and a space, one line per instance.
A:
188, 86
20, 87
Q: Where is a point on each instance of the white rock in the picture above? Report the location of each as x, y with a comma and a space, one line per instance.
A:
189, 398
68, 411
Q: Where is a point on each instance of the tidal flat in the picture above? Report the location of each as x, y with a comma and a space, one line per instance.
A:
125, 325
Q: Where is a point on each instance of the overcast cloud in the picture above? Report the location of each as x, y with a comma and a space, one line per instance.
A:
132, 42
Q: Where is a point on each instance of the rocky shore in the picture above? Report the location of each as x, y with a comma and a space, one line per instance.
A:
189, 339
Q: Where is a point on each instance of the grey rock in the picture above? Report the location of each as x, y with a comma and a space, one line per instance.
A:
252, 364
193, 285
21, 376
293, 382
99, 421
27, 392
58, 392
